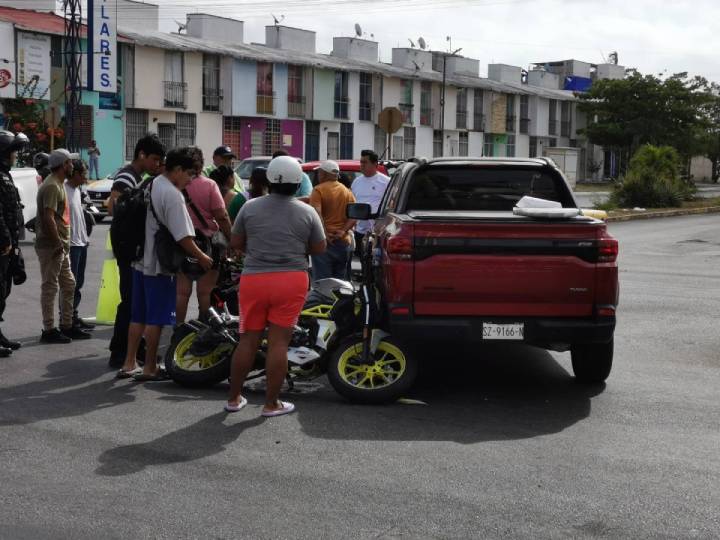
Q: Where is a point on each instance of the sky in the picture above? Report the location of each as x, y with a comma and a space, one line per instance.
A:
660, 36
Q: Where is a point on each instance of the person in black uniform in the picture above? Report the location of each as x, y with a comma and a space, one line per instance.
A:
11, 221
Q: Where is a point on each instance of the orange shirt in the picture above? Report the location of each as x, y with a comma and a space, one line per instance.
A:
330, 199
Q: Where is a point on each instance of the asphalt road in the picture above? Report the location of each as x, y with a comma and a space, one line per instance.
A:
507, 446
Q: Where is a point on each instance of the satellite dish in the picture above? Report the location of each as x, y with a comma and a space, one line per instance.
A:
421, 42
181, 26
358, 30
412, 44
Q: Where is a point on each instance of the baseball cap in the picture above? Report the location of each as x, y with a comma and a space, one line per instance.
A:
329, 166
58, 157
224, 151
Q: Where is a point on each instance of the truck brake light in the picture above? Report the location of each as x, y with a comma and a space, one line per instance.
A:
400, 247
607, 250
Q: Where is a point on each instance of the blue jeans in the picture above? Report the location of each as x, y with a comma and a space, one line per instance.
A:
94, 165
333, 263
78, 260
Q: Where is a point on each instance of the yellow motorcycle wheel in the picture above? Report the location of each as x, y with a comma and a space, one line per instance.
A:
389, 374
189, 370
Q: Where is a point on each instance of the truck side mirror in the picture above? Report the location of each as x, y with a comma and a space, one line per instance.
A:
359, 211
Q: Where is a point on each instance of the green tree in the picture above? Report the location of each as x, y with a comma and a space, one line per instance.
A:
625, 114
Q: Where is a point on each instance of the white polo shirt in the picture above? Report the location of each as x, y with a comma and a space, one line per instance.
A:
369, 190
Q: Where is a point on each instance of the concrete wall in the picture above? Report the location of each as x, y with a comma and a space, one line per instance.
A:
108, 132
355, 48
701, 169
221, 29
457, 65
363, 137
290, 39
424, 141
149, 93
280, 87
35, 5
505, 73
324, 97
208, 135
544, 79
244, 88
610, 71
475, 144
193, 78
539, 116
407, 58
138, 15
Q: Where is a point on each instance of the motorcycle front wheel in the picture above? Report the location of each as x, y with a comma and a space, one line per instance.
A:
388, 375
208, 368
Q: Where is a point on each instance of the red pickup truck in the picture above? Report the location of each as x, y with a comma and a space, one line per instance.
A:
453, 262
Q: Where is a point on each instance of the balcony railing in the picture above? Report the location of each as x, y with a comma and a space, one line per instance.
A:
510, 124
266, 103
565, 129
461, 119
553, 127
406, 109
479, 122
212, 99
342, 106
175, 94
365, 112
296, 106
524, 125
427, 116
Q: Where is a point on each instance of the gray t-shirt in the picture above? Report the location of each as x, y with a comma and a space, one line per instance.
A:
278, 230
169, 205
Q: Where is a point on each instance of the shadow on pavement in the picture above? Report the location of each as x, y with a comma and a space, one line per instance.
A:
66, 390
199, 440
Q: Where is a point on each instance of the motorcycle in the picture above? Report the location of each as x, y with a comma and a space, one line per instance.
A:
338, 334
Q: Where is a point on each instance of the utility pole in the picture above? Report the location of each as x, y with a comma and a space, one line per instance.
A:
442, 98
72, 56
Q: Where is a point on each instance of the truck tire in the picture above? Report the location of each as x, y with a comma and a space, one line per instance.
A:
187, 370
592, 363
388, 378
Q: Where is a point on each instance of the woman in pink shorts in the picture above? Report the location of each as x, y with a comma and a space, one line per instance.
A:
277, 233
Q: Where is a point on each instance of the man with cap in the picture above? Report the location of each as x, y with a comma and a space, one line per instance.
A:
52, 245
223, 155
330, 198
11, 222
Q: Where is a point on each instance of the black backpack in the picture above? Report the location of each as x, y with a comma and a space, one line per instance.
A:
127, 230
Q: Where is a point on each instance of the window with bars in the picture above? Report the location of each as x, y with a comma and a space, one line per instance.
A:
408, 142
524, 114
380, 141
175, 88
397, 147
341, 94
426, 111
463, 144
488, 146
264, 90
478, 114
510, 114
510, 146
185, 126
168, 135
533, 151
346, 141
312, 140
85, 125
366, 97
461, 109
552, 118
128, 77
232, 127
296, 95
406, 104
565, 108
212, 94
437, 143
273, 137
136, 126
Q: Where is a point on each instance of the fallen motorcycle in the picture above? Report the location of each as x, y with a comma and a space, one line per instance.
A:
337, 334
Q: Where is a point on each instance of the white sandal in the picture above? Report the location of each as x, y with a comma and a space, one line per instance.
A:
285, 408
235, 408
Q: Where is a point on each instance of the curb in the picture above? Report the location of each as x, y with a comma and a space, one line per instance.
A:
665, 214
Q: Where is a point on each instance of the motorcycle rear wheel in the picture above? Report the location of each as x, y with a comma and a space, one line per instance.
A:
389, 375
197, 371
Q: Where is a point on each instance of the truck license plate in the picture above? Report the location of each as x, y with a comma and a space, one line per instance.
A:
512, 332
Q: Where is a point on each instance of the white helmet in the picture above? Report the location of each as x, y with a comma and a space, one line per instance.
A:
284, 170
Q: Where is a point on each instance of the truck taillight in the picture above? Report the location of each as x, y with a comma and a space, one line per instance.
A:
400, 247
607, 250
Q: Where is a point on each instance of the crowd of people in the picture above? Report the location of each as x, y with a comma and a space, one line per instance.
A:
193, 217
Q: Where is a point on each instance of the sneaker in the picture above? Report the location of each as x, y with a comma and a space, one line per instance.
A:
5, 352
76, 333
83, 325
54, 336
6, 343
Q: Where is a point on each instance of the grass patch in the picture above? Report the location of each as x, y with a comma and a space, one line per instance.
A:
697, 203
593, 187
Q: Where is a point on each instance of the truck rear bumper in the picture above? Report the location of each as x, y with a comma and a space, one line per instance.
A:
549, 333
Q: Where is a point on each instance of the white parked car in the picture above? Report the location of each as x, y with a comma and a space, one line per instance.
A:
99, 192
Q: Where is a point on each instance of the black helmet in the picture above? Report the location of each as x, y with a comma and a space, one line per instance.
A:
10, 142
40, 160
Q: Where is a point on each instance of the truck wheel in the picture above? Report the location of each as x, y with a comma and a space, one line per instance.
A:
592, 363
389, 375
196, 371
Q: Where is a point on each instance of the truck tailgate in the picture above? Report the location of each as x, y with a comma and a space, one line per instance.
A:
514, 268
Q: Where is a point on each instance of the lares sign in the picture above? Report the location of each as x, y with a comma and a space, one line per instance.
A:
103, 49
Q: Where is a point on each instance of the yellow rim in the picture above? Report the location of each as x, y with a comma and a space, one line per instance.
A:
320, 311
187, 362
387, 366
